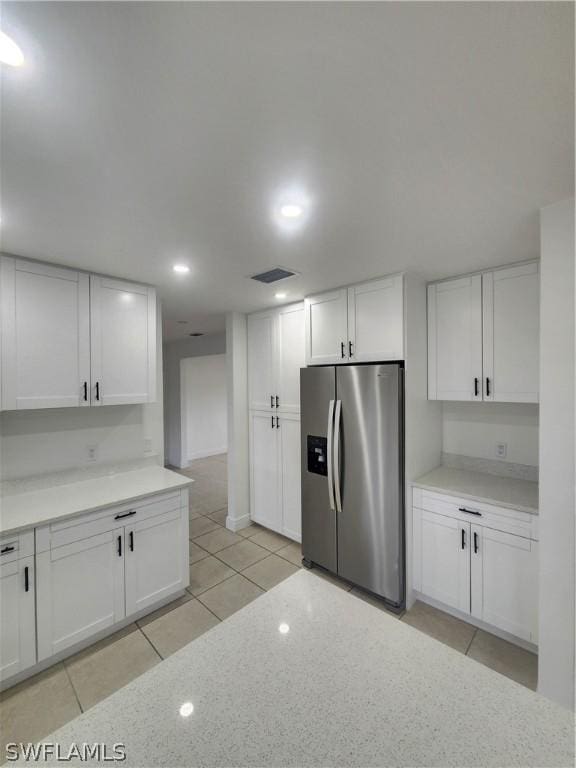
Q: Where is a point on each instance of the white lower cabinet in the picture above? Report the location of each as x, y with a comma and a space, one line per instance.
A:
156, 560
80, 591
275, 472
504, 581
489, 574
96, 570
17, 619
445, 560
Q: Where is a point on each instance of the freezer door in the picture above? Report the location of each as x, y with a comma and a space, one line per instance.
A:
317, 395
371, 495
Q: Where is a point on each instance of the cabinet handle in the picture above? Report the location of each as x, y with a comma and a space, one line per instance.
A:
277, 422
125, 514
271, 401
26, 580
97, 390
475, 542
476, 387
131, 541
6, 550
272, 421
85, 391
470, 511
119, 546
463, 538
342, 348
277, 402
487, 387
350, 349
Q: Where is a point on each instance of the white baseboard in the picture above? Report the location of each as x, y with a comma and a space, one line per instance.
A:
206, 454
237, 523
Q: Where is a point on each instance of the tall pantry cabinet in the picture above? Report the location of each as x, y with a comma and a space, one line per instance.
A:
275, 355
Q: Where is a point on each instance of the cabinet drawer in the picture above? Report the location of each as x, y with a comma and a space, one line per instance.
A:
503, 519
91, 524
17, 545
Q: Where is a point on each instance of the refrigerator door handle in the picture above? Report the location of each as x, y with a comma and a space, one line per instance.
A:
336, 470
329, 432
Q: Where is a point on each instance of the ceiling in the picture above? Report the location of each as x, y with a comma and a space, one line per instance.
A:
420, 136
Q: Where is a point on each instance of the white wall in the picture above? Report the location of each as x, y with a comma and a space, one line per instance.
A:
238, 450
211, 344
423, 417
557, 498
57, 439
203, 406
473, 429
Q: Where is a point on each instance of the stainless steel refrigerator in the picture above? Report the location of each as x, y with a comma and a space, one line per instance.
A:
352, 425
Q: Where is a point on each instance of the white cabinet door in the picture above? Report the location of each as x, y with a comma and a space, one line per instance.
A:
17, 618
45, 335
156, 560
455, 339
264, 475
327, 328
376, 320
289, 435
80, 590
261, 360
511, 334
123, 342
445, 560
291, 357
504, 573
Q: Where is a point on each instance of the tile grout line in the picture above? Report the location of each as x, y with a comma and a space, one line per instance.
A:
471, 641
73, 687
156, 651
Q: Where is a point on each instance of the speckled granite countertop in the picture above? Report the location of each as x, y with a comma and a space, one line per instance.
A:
309, 675
30, 508
493, 489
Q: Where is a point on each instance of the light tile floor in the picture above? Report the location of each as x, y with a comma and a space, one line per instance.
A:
227, 572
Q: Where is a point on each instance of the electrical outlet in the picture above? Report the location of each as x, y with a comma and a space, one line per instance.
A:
92, 452
501, 449
147, 445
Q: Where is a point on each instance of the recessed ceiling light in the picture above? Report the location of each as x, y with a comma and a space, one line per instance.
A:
186, 709
291, 210
284, 628
280, 295
182, 269
10, 53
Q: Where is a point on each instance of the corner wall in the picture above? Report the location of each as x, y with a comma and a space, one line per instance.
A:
557, 527
174, 352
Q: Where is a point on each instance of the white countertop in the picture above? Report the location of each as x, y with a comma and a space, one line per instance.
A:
493, 489
27, 509
345, 684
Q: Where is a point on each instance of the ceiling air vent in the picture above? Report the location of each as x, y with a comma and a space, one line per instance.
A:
273, 275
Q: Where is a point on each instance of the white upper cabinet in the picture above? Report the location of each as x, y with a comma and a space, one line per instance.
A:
376, 320
71, 339
327, 327
361, 323
483, 336
511, 299
455, 339
275, 356
290, 357
261, 360
45, 335
123, 342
